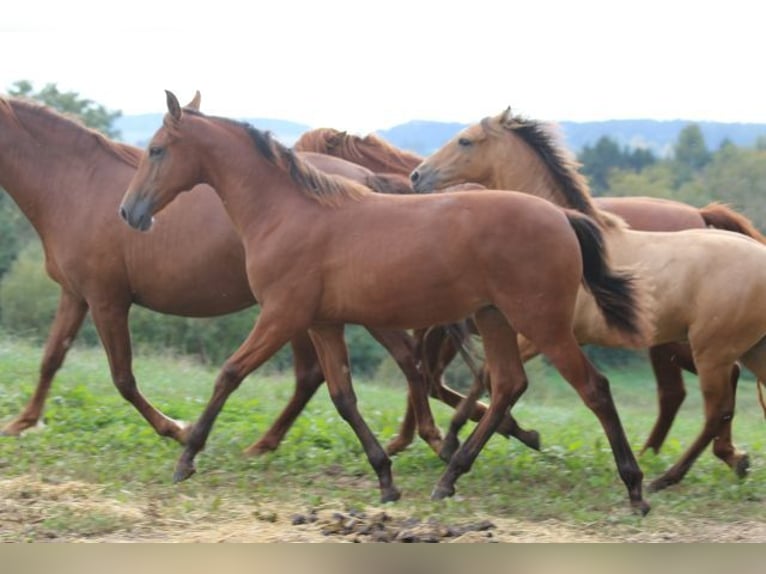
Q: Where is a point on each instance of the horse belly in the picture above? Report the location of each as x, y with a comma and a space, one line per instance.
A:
402, 301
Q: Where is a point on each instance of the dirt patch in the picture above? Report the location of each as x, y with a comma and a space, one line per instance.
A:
34, 510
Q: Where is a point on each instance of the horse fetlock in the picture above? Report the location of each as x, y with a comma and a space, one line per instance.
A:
18, 426
261, 447
663, 482
450, 444
397, 445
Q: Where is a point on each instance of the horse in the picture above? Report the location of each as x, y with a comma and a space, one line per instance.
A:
323, 251
643, 213
50, 165
709, 285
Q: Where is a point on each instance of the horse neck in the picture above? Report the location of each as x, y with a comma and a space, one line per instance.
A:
38, 167
255, 192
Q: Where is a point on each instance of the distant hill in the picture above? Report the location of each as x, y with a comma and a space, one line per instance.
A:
137, 129
659, 136
425, 137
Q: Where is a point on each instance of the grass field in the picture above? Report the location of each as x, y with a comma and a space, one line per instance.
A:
96, 471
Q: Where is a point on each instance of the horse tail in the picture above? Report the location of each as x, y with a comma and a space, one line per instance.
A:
721, 216
617, 294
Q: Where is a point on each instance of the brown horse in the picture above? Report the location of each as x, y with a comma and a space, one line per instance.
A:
51, 165
709, 285
644, 213
295, 223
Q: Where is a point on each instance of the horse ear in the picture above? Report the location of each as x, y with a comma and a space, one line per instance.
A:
194, 104
174, 108
506, 118
336, 137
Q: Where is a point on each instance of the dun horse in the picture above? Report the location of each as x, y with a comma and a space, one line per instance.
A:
323, 251
643, 213
51, 166
709, 285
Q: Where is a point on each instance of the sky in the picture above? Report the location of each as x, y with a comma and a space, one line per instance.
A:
363, 66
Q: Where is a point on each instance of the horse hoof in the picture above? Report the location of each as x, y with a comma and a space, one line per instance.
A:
183, 472
258, 449
742, 466
390, 495
449, 446
532, 440
441, 492
640, 507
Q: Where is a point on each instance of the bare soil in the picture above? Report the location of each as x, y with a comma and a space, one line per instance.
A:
31, 510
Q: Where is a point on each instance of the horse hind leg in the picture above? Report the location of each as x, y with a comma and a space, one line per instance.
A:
308, 378
70, 314
508, 382
593, 388
718, 395
723, 446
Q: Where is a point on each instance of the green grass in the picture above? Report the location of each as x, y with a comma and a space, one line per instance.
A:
93, 436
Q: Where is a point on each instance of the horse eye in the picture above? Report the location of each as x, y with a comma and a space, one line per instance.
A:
464, 142
155, 151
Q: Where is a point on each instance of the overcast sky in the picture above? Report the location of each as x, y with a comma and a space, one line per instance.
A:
361, 65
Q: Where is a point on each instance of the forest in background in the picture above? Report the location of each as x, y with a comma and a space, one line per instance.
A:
689, 169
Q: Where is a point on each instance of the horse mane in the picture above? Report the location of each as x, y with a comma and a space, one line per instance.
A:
561, 163
385, 152
358, 149
320, 140
73, 126
327, 189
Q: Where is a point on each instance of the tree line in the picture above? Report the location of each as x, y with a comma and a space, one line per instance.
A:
692, 174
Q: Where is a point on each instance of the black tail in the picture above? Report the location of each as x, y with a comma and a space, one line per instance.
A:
615, 293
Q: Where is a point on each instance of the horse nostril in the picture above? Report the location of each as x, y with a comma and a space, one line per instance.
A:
414, 176
123, 213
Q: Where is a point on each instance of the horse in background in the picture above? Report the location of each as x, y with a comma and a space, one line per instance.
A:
308, 275
642, 213
709, 286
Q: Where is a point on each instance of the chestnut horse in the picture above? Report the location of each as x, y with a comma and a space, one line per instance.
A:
644, 213
50, 165
323, 251
709, 285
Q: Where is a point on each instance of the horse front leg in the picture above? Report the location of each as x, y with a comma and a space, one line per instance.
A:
66, 324
667, 361
111, 321
269, 334
333, 355
308, 378
717, 391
